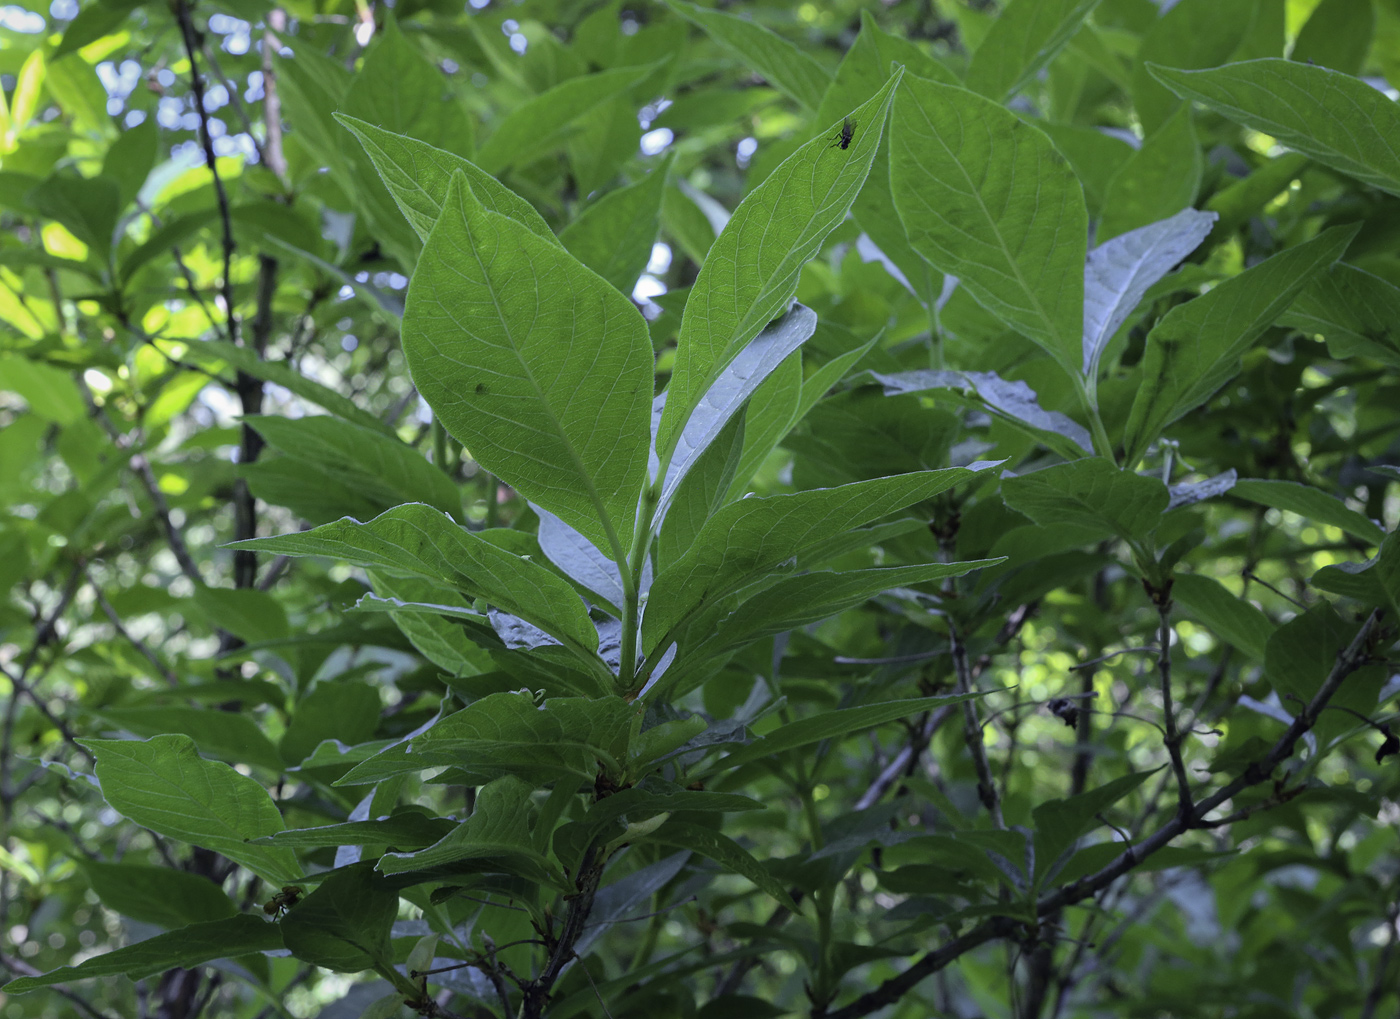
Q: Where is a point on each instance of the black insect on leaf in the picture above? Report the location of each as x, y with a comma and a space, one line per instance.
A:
1389, 747
1065, 710
842, 138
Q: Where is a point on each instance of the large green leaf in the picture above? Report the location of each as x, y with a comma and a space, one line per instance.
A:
234, 738
1120, 272
614, 235
750, 274
1059, 823
183, 948
862, 71
1311, 504
735, 385
397, 89
338, 709
538, 366
724, 851
495, 838
409, 829
754, 537
1358, 314
1336, 119
164, 785
280, 373
785, 66
367, 461
418, 175
812, 597
508, 734
1196, 347
535, 126
420, 541
1158, 180
158, 895
1194, 33
344, 924
988, 198
1091, 492
1337, 35
831, 725
1025, 37
1234, 619
1303, 651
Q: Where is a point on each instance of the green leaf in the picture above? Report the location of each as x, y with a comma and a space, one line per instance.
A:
812, 597
1233, 619
1158, 180
830, 725
724, 851
234, 738
1194, 33
336, 709
1355, 311
419, 175
1332, 117
735, 385
786, 67
754, 537
1376, 581
280, 373
407, 830
1090, 492
495, 838
614, 235
397, 89
1060, 823
1337, 35
93, 22
508, 734
156, 895
245, 612
1302, 652
535, 364
1024, 38
537, 125
638, 804
164, 785
422, 542
988, 198
1012, 401
184, 948
750, 274
779, 405
1196, 347
130, 158
311, 86
1120, 272
378, 467
49, 391
1311, 504
344, 924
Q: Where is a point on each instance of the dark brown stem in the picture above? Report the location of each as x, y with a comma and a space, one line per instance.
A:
972, 729
190, 35
1164, 672
537, 991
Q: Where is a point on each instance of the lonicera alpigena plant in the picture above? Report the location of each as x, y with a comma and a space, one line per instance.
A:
735, 699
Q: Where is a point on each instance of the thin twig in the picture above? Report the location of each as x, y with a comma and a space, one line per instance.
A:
1164, 672
190, 35
972, 729
127, 636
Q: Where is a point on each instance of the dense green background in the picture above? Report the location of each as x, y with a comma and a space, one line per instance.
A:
979, 466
